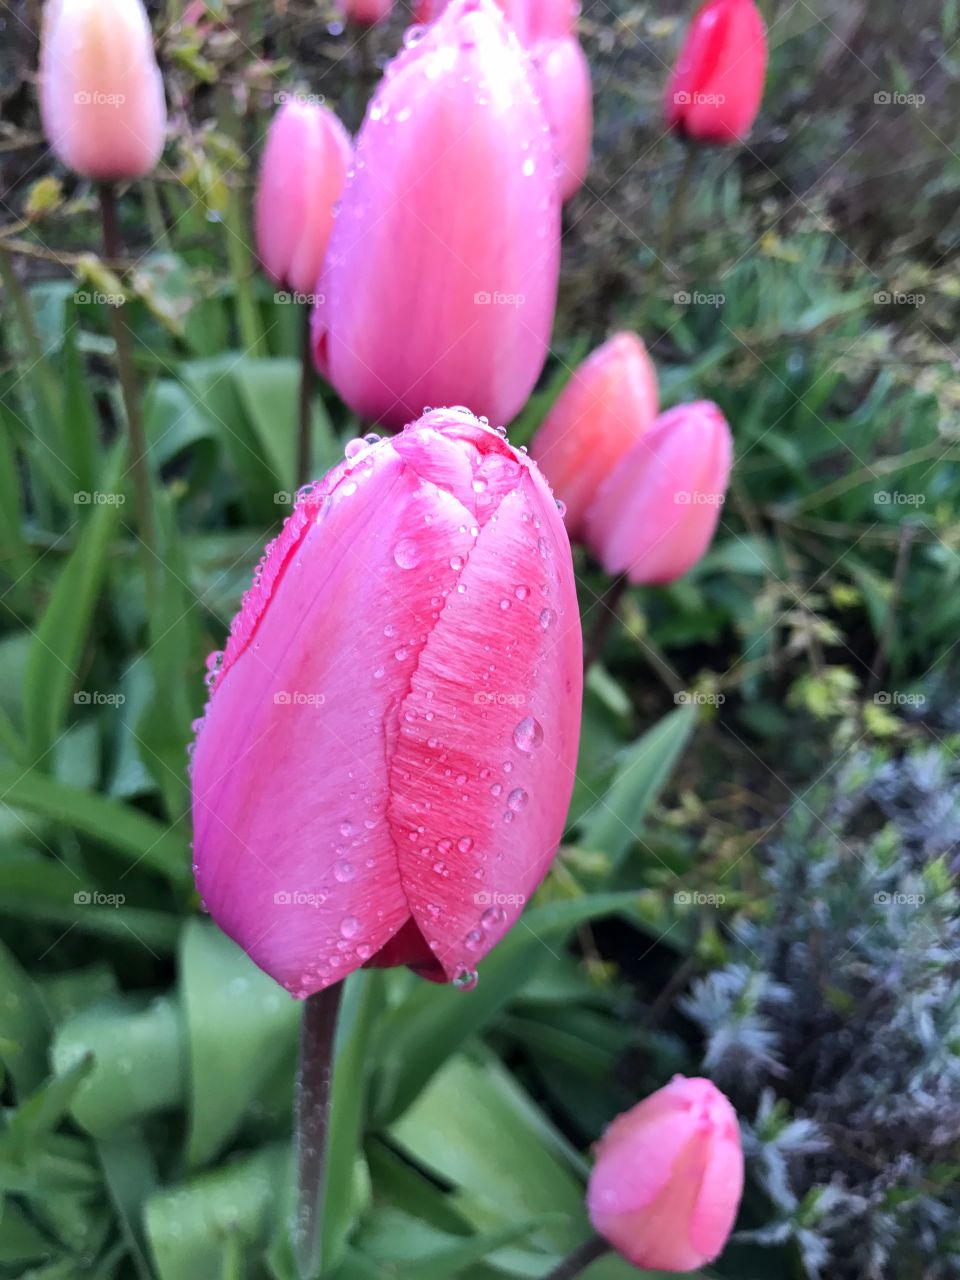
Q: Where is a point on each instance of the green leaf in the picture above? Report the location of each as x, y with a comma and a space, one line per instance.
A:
53, 668
131, 1178
24, 1026
615, 822
43, 1110
139, 1056
240, 1025
115, 825
190, 1227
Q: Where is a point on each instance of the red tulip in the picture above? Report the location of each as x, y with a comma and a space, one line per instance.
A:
101, 94
714, 92
383, 771
655, 514
441, 278
607, 405
302, 174
365, 13
567, 96
668, 1178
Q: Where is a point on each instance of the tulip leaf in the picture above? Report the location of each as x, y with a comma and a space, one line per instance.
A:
194, 1227
614, 823
240, 1025
24, 1026
139, 1061
433, 1022
53, 669
117, 826
130, 1173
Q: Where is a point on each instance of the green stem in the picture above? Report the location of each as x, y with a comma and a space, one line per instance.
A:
311, 1115
580, 1259
40, 372
608, 605
127, 372
674, 217
304, 423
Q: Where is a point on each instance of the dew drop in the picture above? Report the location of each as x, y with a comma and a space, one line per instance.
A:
353, 447
406, 553
518, 799
521, 592
493, 917
474, 940
465, 844
456, 562
528, 735
350, 926
344, 872
464, 979
547, 618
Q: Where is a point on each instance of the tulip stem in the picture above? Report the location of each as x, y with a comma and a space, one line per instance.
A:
609, 604
580, 1259
306, 391
675, 210
312, 1110
131, 399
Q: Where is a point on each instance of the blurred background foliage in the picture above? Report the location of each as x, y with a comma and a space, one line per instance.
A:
757, 879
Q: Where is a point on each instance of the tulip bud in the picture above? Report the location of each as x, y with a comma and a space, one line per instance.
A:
531, 20
302, 174
101, 93
656, 512
441, 278
383, 771
715, 89
668, 1177
365, 13
608, 404
567, 97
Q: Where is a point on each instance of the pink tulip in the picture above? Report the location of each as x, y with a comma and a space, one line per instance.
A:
668, 1177
532, 20
302, 174
441, 279
383, 771
101, 94
365, 13
607, 405
567, 97
656, 513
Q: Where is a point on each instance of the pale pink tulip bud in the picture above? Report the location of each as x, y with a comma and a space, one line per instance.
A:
101, 93
567, 97
656, 513
440, 282
668, 1177
302, 174
365, 13
607, 405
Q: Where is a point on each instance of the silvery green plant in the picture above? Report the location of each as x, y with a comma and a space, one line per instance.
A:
842, 1003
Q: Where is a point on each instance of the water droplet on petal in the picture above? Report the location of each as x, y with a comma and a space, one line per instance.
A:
547, 618
518, 799
465, 844
493, 917
350, 926
464, 979
344, 872
407, 553
528, 735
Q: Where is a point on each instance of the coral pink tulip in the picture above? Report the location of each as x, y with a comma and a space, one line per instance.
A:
302, 174
568, 102
440, 282
531, 20
656, 512
715, 89
101, 94
668, 1177
383, 771
607, 405
365, 13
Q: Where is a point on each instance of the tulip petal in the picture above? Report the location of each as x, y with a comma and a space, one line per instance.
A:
481, 776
